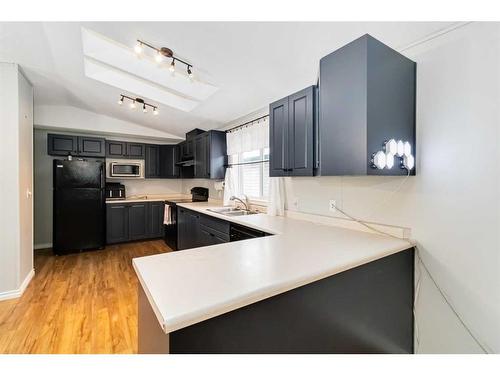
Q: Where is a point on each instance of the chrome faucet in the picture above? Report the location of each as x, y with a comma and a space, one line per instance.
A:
245, 202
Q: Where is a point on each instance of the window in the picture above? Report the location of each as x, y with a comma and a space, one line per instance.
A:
251, 173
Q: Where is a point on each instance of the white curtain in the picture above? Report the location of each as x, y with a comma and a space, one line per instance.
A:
276, 204
229, 185
249, 137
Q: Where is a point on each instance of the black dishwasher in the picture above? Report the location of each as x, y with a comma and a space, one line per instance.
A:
239, 232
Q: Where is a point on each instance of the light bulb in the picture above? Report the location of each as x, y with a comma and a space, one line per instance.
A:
391, 147
379, 160
155, 112
407, 148
138, 48
132, 105
144, 108
389, 163
159, 58
172, 66
401, 148
190, 73
408, 162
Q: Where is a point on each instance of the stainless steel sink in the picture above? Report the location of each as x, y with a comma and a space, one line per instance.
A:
231, 211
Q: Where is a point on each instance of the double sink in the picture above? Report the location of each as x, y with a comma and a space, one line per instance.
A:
232, 211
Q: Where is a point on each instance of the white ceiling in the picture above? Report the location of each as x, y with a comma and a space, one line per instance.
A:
252, 63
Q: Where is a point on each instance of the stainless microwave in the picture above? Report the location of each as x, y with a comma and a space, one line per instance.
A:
120, 168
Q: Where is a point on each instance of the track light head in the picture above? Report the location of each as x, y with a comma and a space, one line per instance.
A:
190, 73
132, 105
172, 66
138, 48
155, 111
159, 57
144, 108
120, 102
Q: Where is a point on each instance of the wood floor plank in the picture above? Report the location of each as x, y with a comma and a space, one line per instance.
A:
79, 303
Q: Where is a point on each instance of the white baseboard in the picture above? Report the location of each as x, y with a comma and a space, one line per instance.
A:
16, 293
42, 246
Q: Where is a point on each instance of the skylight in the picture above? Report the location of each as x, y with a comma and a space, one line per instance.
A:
117, 65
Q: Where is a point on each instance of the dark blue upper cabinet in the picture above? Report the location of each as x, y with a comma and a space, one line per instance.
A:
291, 133
366, 97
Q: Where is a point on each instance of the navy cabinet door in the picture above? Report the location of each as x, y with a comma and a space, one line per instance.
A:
152, 161
202, 156
155, 219
91, 146
188, 229
137, 221
135, 150
116, 223
278, 138
300, 132
169, 156
62, 145
116, 149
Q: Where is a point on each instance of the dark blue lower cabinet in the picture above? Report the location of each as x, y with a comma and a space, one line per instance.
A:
195, 230
134, 221
367, 309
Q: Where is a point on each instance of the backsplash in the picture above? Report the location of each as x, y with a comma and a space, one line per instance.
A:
151, 186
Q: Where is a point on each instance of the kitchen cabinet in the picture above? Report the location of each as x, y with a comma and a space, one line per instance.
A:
210, 155
135, 150
64, 145
155, 212
134, 221
366, 97
121, 150
169, 156
210, 237
117, 223
92, 147
291, 134
152, 163
188, 227
116, 149
202, 156
137, 221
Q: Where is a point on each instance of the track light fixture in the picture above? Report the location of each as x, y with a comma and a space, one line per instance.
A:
133, 102
163, 53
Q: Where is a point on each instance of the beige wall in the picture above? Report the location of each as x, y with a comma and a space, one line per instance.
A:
16, 106
452, 205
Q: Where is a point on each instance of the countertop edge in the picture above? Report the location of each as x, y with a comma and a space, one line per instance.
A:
159, 316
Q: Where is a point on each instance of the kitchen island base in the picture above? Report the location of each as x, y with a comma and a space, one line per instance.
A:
367, 309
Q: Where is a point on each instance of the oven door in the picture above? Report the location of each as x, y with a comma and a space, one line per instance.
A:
170, 230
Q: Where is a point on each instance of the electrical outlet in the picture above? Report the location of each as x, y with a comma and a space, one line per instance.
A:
332, 206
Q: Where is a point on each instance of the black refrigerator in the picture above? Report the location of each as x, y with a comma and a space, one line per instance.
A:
79, 206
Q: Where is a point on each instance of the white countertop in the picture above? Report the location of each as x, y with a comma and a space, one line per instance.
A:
189, 286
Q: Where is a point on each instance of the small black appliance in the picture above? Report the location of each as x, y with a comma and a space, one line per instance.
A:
115, 191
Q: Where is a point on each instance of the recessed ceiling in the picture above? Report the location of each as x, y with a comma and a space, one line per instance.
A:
252, 63
118, 65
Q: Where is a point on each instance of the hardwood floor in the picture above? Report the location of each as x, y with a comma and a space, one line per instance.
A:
81, 303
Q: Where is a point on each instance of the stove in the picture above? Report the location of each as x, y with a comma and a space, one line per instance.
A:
198, 194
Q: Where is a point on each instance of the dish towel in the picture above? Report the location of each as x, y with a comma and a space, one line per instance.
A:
167, 215
276, 204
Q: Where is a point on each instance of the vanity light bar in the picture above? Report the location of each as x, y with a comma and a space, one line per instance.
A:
392, 149
133, 104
